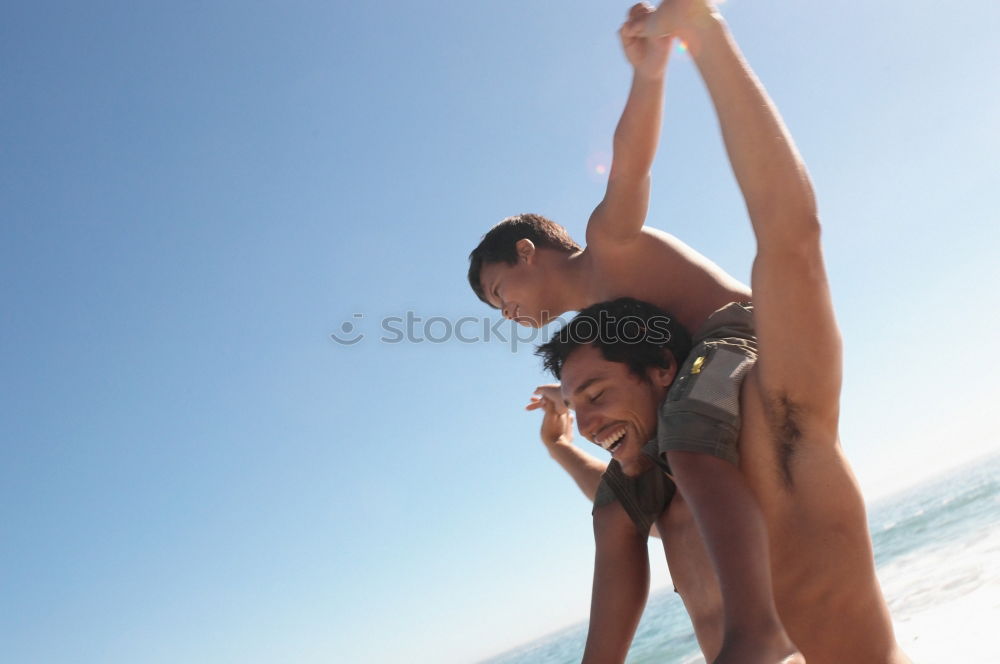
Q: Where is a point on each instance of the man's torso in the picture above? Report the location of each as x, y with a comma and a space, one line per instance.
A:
821, 558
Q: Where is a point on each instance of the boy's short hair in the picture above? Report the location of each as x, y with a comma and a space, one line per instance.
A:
626, 330
498, 245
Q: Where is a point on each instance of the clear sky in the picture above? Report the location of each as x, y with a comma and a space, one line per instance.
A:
194, 196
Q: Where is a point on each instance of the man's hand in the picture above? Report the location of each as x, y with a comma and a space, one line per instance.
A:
557, 434
680, 18
557, 425
647, 55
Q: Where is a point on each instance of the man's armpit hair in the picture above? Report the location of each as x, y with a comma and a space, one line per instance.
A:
783, 416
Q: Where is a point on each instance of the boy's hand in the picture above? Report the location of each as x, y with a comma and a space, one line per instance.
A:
557, 425
648, 56
681, 18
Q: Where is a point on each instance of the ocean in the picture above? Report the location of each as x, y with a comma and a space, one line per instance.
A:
937, 550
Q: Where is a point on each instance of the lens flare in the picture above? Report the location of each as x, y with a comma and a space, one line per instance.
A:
598, 164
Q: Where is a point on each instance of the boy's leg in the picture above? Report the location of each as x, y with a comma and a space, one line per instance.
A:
697, 435
735, 535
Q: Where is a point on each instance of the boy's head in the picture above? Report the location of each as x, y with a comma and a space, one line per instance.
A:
504, 271
616, 361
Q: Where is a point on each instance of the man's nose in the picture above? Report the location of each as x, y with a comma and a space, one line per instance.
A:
584, 422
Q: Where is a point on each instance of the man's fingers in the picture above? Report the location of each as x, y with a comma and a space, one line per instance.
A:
542, 402
639, 10
630, 29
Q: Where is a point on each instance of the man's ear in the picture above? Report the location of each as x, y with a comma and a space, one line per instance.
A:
525, 250
664, 376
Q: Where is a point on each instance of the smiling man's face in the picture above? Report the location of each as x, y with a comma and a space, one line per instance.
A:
615, 408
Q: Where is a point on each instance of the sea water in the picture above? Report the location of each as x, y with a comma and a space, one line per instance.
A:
937, 550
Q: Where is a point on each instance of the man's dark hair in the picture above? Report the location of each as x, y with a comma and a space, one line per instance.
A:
499, 244
625, 330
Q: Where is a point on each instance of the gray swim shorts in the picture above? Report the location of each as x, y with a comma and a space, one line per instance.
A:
702, 410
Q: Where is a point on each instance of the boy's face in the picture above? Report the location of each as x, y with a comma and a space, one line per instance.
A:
615, 408
517, 291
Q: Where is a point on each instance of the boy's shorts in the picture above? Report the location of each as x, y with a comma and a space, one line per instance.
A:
702, 410
701, 413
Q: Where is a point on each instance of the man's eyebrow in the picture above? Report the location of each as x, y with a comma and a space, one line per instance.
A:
587, 383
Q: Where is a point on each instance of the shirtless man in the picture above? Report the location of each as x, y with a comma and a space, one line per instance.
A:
823, 572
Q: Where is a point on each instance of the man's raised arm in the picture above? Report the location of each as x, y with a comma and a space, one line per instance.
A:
622, 213
797, 330
557, 436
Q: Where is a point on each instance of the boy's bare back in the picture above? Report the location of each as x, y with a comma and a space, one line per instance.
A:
658, 268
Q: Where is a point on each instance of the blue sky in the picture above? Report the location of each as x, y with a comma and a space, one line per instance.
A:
195, 196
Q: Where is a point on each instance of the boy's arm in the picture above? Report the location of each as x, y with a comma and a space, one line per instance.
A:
620, 216
799, 342
621, 585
